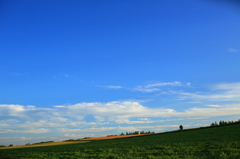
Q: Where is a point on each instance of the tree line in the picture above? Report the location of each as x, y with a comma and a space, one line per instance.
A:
221, 123
134, 133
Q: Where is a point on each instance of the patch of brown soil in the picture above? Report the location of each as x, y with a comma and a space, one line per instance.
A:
112, 137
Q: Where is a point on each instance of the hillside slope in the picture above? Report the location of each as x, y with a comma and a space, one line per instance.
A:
215, 142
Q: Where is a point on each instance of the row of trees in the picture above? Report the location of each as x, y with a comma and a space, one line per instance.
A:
134, 133
137, 132
225, 123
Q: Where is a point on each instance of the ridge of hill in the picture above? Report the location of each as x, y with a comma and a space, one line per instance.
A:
211, 142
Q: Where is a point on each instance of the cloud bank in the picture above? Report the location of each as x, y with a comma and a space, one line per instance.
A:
89, 118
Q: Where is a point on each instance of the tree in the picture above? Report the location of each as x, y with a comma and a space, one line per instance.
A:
181, 127
212, 124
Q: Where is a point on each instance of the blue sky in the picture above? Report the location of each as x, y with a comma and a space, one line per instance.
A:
72, 69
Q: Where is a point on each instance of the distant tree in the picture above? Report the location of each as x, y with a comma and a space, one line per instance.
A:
181, 127
10, 145
122, 133
126, 133
212, 124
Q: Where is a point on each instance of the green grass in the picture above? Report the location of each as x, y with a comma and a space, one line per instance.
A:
215, 142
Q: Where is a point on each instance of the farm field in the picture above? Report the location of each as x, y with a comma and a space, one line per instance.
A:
214, 142
44, 144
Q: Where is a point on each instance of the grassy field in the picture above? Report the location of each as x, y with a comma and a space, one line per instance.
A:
214, 142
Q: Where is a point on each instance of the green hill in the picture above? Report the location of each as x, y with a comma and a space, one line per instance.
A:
213, 142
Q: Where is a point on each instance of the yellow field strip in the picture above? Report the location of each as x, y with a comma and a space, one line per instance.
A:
45, 144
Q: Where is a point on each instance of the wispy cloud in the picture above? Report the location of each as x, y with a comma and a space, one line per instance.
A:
71, 120
127, 121
144, 89
148, 88
79, 135
139, 128
233, 50
111, 112
32, 131
223, 92
114, 87
232, 86
64, 119
111, 87
155, 86
216, 106
92, 129
159, 84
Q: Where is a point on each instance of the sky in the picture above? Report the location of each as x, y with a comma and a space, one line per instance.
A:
74, 69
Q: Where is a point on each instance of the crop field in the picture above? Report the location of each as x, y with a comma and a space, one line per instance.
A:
214, 142
44, 144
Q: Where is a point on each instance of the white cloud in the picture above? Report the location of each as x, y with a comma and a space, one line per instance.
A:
227, 110
35, 131
99, 118
148, 88
117, 112
30, 119
126, 121
59, 106
146, 128
11, 110
92, 129
144, 89
79, 135
233, 50
228, 92
154, 87
70, 119
229, 86
121, 112
25, 138
216, 106
143, 119
212, 97
176, 83
114, 87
